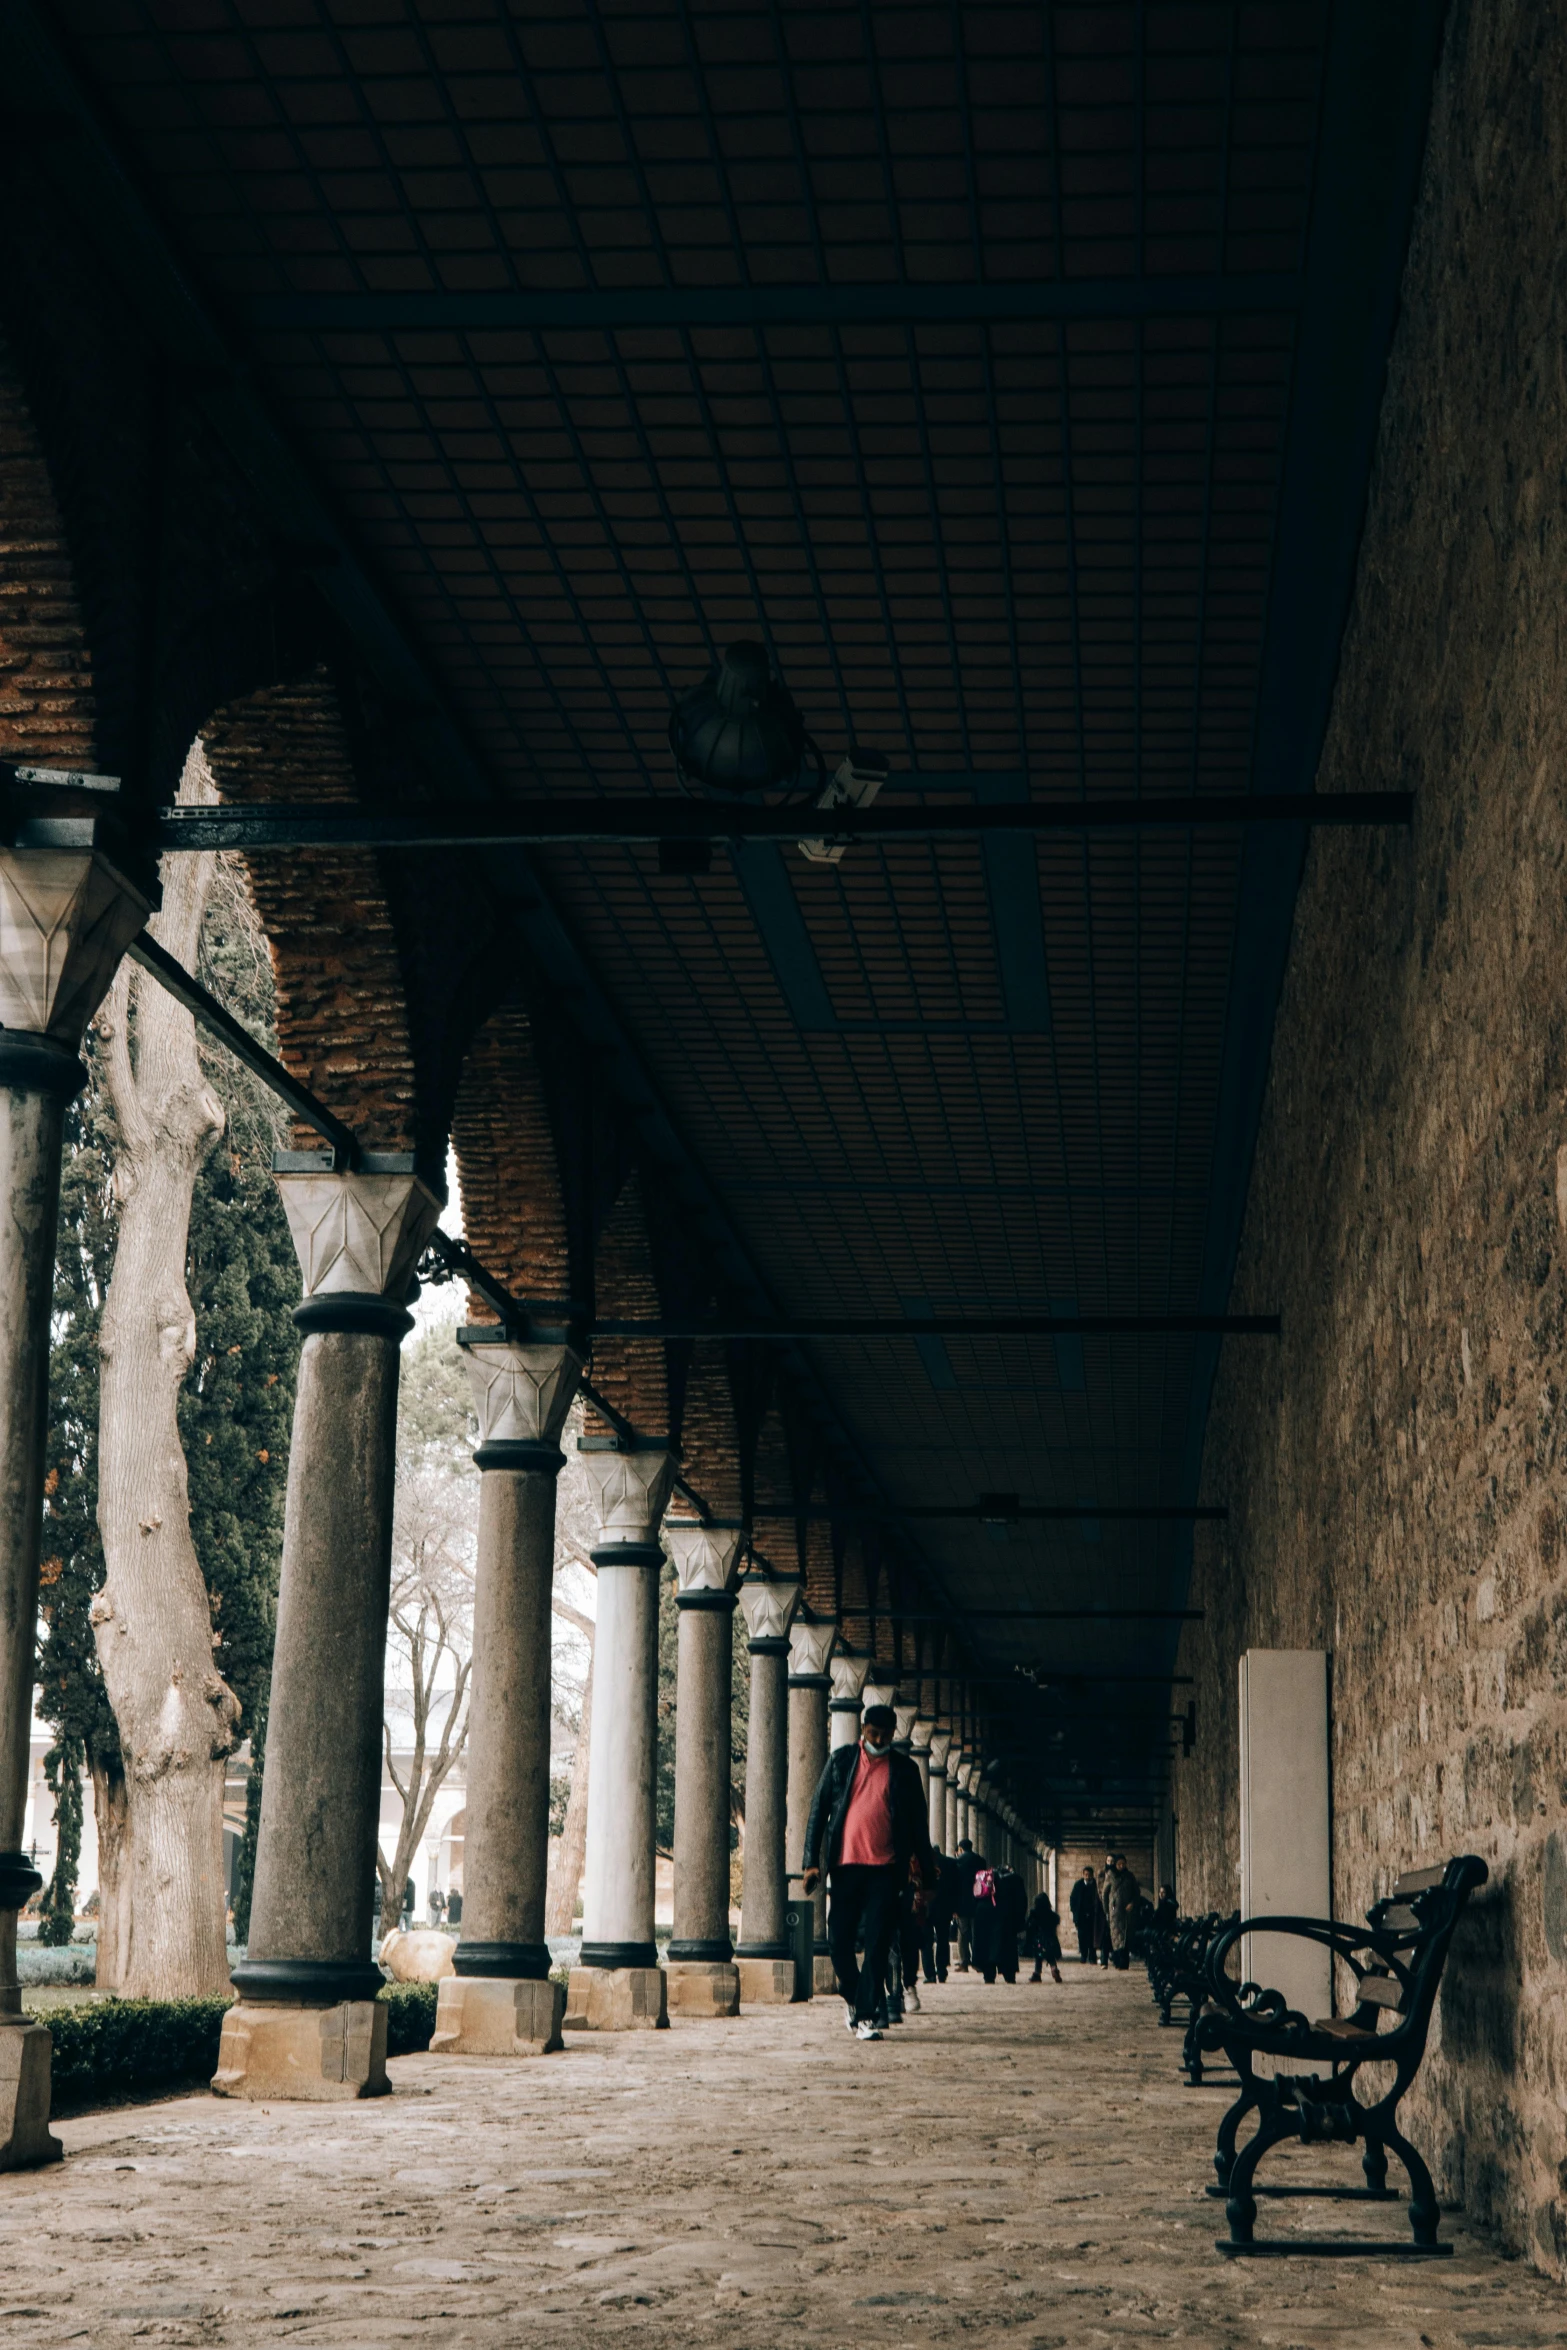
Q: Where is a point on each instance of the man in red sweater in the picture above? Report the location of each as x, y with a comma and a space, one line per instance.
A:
868, 1819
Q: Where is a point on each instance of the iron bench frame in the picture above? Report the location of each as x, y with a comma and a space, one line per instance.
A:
1402, 1950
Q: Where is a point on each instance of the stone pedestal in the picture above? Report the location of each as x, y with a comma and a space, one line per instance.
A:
25, 2137
697, 1988
766, 1982
311, 2055
305, 2027
478, 2015
617, 1999
66, 917
768, 1604
503, 2005
701, 1976
630, 1490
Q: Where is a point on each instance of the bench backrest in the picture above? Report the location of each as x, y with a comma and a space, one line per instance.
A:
1409, 1932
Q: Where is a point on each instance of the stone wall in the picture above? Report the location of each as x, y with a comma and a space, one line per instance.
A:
1395, 1469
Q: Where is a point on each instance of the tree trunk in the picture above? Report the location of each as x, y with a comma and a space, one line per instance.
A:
175, 1713
114, 1876
560, 1913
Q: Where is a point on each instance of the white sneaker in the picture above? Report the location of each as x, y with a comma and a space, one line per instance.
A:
866, 2031
911, 1998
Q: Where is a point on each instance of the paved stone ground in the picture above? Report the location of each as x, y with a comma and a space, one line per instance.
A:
1018, 2166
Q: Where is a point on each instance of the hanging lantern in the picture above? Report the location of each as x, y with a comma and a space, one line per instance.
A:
739, 732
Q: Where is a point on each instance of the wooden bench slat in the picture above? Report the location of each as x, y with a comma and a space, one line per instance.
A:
1400, 1919
1339, 2027
1381, 1991
1417, 1881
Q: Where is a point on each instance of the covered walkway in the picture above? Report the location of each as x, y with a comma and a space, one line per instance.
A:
1017, 2166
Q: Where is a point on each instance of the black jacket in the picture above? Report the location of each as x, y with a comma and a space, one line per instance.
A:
910, 1812
1085, 1906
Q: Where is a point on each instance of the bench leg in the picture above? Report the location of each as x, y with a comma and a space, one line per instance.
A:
1224, 2147
1423, 2209
1240, 2209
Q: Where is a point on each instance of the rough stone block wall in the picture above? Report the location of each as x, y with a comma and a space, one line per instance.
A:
1394, 1470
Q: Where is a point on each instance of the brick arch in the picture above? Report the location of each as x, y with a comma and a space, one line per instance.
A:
855, 1589
821, 1568
777, 1534
632, 1374
710, 1436
48, 708
508, 1163
342, 1006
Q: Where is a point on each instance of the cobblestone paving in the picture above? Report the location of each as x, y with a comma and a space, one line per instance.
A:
1018, 2166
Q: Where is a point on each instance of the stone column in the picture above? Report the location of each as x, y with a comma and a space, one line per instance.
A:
701, 1975
810, 1645
919, 1746
307, 2024
619, 1985
848, 1673
940, 1743
765, 1959
501, 2001
965, 1775
66, 917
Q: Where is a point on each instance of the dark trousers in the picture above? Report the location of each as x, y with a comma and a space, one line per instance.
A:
861, 1898
1085, 1944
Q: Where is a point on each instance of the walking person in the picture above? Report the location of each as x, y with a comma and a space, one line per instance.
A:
1042, 1936
867, 1829
1083, 1902
967, 1867
1122, 1897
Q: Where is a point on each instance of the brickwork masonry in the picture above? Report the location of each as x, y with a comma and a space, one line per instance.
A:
1396, 1471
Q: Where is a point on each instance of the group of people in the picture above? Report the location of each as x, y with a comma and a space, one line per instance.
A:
897, 1905
1107, 1910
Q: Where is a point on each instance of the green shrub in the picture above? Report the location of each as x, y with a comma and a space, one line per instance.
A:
126, 2047
412, 2020
132, 2047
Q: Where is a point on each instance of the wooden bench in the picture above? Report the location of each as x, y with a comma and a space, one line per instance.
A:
1397, 1959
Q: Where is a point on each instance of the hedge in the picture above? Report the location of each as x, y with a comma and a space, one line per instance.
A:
132, 2047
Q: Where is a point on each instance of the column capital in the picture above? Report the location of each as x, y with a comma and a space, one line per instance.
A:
964, 1774
940, 1748
848, 1679
880, 1687
810, 1646
903, 1725
704, 1559
358, 1238
521, 1395
920, 1734
66, 917
768, 1604
630, 1493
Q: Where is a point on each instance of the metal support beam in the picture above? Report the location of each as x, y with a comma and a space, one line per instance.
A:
535, 310
575, 820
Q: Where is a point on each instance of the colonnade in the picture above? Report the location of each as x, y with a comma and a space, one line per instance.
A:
307, 2023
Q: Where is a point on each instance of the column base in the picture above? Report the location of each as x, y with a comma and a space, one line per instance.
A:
702, 1987
766, 1982
491, 2015
824, 1976
617, 1999
313, 2055
25, 2137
